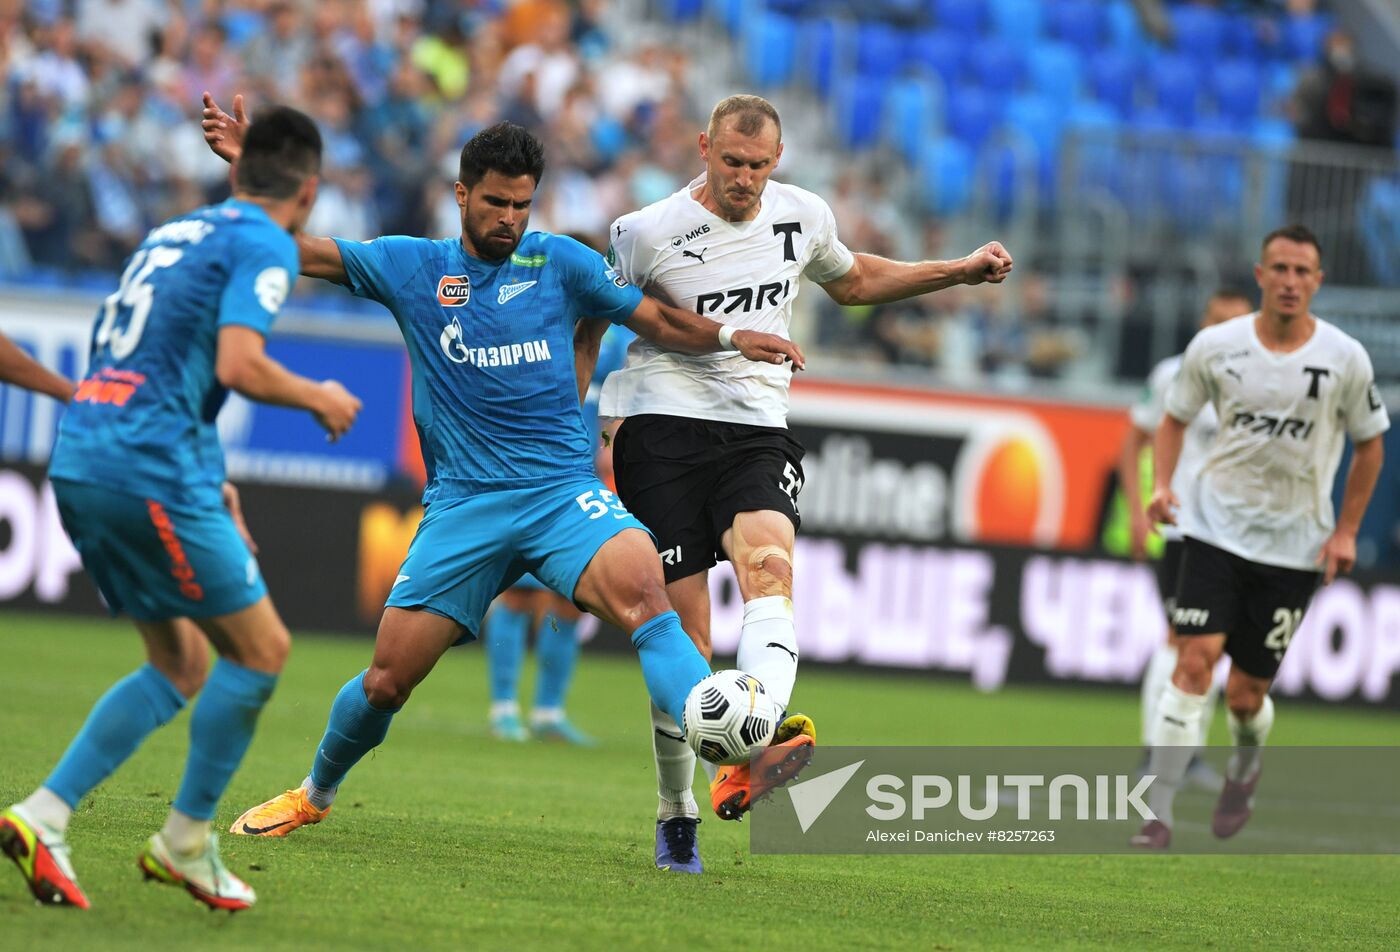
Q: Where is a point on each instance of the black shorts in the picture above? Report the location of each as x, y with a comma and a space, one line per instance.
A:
687, 479
1258, 607
1169, 573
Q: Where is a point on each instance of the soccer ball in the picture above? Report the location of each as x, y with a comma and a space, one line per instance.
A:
728, 713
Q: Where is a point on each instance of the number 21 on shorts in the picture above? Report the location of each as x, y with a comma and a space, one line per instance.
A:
599, 502
1286, 624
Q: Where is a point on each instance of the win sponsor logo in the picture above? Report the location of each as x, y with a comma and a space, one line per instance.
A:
454, 290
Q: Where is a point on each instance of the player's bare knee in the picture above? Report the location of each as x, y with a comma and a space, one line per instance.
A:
1194, 667
769, 572
1243, 699
646, 599
386, 690
267, 653
187, 673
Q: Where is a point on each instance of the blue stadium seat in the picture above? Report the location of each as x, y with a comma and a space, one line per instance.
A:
770, 49
1175, 83
681, 11
946, 177
1242, 36
971, 114
1378, 216
940, 52
1113, 79
821, 46
913, 111
961, 16
728, 13
1081, 23
1055, 71
1237, 85
1198, 32
856, 103
879, 49
1039, 121
1303, 36
997, 65
1274, 135
1125, 30
1018, 22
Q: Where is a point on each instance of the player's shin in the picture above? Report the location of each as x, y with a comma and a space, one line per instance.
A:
1249, 736
221, 728
1174, 738
354, 729
671, 664
675, 768
505, 634
1154, 680
768, 646
556, 652
121, 719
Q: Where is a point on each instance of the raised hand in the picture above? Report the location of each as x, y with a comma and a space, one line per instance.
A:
224, 133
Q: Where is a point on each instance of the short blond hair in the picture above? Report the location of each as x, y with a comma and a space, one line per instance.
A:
753, 112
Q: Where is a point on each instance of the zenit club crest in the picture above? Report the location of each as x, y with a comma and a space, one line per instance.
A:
454, 290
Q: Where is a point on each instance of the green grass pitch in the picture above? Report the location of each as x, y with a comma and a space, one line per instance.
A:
445, 838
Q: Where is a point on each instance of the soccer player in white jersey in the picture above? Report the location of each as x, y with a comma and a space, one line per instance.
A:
1259, 527
1145, 416
704, 457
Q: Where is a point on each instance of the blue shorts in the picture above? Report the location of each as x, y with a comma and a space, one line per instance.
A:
159, 560
529, 581
467, 551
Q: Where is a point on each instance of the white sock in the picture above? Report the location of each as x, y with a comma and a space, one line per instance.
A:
1249, 738
1173, 745
768, 646
505, 709
48, 808
185, 835
675, 768
1208, 714
320, 797
1157, 676
547, 715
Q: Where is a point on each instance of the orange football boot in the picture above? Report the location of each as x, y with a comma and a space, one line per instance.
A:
279, 816
737, 788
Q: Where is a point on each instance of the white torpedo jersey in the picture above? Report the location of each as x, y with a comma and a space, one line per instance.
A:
1265, 488
1200, 432
743, 274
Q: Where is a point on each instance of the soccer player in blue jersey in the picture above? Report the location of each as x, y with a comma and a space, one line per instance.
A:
139, 478
489, 320
530, 604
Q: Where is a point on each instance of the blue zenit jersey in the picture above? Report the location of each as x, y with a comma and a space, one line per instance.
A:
491, 347
142, 422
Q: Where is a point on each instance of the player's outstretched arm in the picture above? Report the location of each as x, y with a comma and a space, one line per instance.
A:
223, 133
876, 280
20, 369
243, 365
1339, 551
1166, 451
690, 333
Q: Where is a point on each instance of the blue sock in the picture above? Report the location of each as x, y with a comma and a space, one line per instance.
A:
120, 720
505, 650
671, 664
557, 654
355, 728
221, 728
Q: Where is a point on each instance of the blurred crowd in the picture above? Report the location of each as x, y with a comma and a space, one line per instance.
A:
99, 132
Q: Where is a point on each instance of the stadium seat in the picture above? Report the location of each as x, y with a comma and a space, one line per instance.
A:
1236, 85
1125, 31
1198, 32
1039, 121
1379, 220
971, 115
945, 175
939, 52
770, 49
1055, 71
964, 17
728, 13
997, 65
856, 103
682, 11
1081, 23
1018, 22
821, 46
878, 50
1175, 83
1242, 36
1113, 79
1303, 35
913, 111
